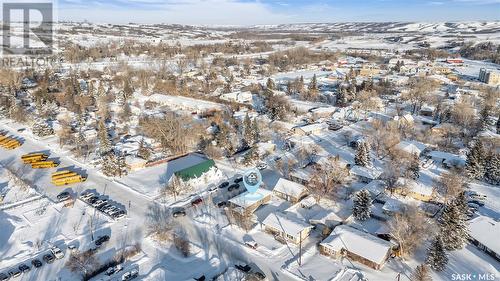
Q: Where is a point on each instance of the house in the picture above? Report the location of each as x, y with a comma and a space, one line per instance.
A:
484, 235
415, 190
135, 163
375, 187
357, 246
248, 203
289, 190
286, 228
411, 147
238, 97
365, 174
447, 159
311, 129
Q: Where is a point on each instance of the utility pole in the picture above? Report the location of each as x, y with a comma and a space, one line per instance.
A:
300, 250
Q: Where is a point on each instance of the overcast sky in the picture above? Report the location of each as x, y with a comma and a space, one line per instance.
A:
249, 12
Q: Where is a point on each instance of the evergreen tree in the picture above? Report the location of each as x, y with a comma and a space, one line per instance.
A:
144, 151
42, 129
421, 273
255, 132
498, 125
436, 255
313, 85
484, 116
453, 226
102, 135
362, 157
475, 163
113, 164
362, 205
247, 129
492, 174
300, 84
270, 84
413, 171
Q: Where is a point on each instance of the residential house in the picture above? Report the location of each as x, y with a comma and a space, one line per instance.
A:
248, 203
484, 235
411, 147
286, 228
289, 190
357, 245
415, 190
365, 174
135, 163
447, 159
311, 129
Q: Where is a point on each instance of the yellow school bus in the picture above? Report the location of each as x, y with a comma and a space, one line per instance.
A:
44, 164
63, 174
12, 144
34, 157
68, 180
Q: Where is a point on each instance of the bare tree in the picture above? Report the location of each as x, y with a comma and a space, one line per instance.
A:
451, 184
84, 262
410, 229
327, 178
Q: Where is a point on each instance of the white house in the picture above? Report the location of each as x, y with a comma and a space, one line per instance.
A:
287, 228
239, 97
289, 190
411, 147
357, 245
484, 234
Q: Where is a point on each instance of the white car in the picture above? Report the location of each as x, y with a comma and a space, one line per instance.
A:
57, 253
262, 166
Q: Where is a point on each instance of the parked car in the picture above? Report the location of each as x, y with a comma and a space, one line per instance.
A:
130, 275
92, 199
14, 272
478, 202
179, 213
222, 204
57, 253
99, 203
233, 187
243, 267
114, 269
4, 277
111, 210
36, 263
196, 201
24, 268
101, 240
86, 195
262, 166
119, 215
201, 278
251, 244
63, 196
212, 188
238, 179
49, 258
103, 207
224, 184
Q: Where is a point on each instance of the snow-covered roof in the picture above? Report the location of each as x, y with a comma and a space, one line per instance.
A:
416, 187
369, 173
358, 242
375, 187
288, 225
411, 147
446, 156
485, 230
246, 199
289, 187
313, 127
393, 205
